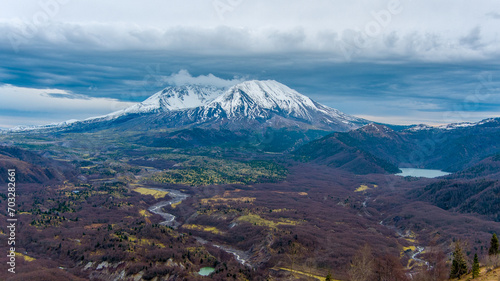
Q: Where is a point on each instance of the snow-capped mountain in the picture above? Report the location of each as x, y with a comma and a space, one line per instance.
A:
247, 105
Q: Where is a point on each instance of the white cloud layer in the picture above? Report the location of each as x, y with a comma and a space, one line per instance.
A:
46, 100
37, 105
183, 77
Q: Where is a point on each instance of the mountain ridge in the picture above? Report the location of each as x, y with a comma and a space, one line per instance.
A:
459, 148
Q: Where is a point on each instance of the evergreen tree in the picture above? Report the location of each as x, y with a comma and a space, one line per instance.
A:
475, 267
493, 245
328, 276
458, 266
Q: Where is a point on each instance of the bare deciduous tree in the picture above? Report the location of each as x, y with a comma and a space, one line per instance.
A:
362, 265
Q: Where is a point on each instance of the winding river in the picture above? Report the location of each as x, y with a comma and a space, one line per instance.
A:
240, 256
176, 197
418, 251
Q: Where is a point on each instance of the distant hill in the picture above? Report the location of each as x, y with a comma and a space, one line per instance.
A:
464, 196
449, 148
488, 167
30, 167
473, 190
337, 151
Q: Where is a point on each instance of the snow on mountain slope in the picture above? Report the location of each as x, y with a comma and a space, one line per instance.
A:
249, 96
262, 99
170, 98
465, 124
453, 126
173, 98
41, 127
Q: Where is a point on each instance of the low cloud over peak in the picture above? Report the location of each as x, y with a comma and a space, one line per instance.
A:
183, 77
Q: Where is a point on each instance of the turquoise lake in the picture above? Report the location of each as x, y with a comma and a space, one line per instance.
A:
205, 271
424, 173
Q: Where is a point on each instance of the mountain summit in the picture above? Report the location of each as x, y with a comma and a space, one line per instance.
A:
256, 99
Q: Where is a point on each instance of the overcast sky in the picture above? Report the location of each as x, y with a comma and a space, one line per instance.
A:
397, 62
